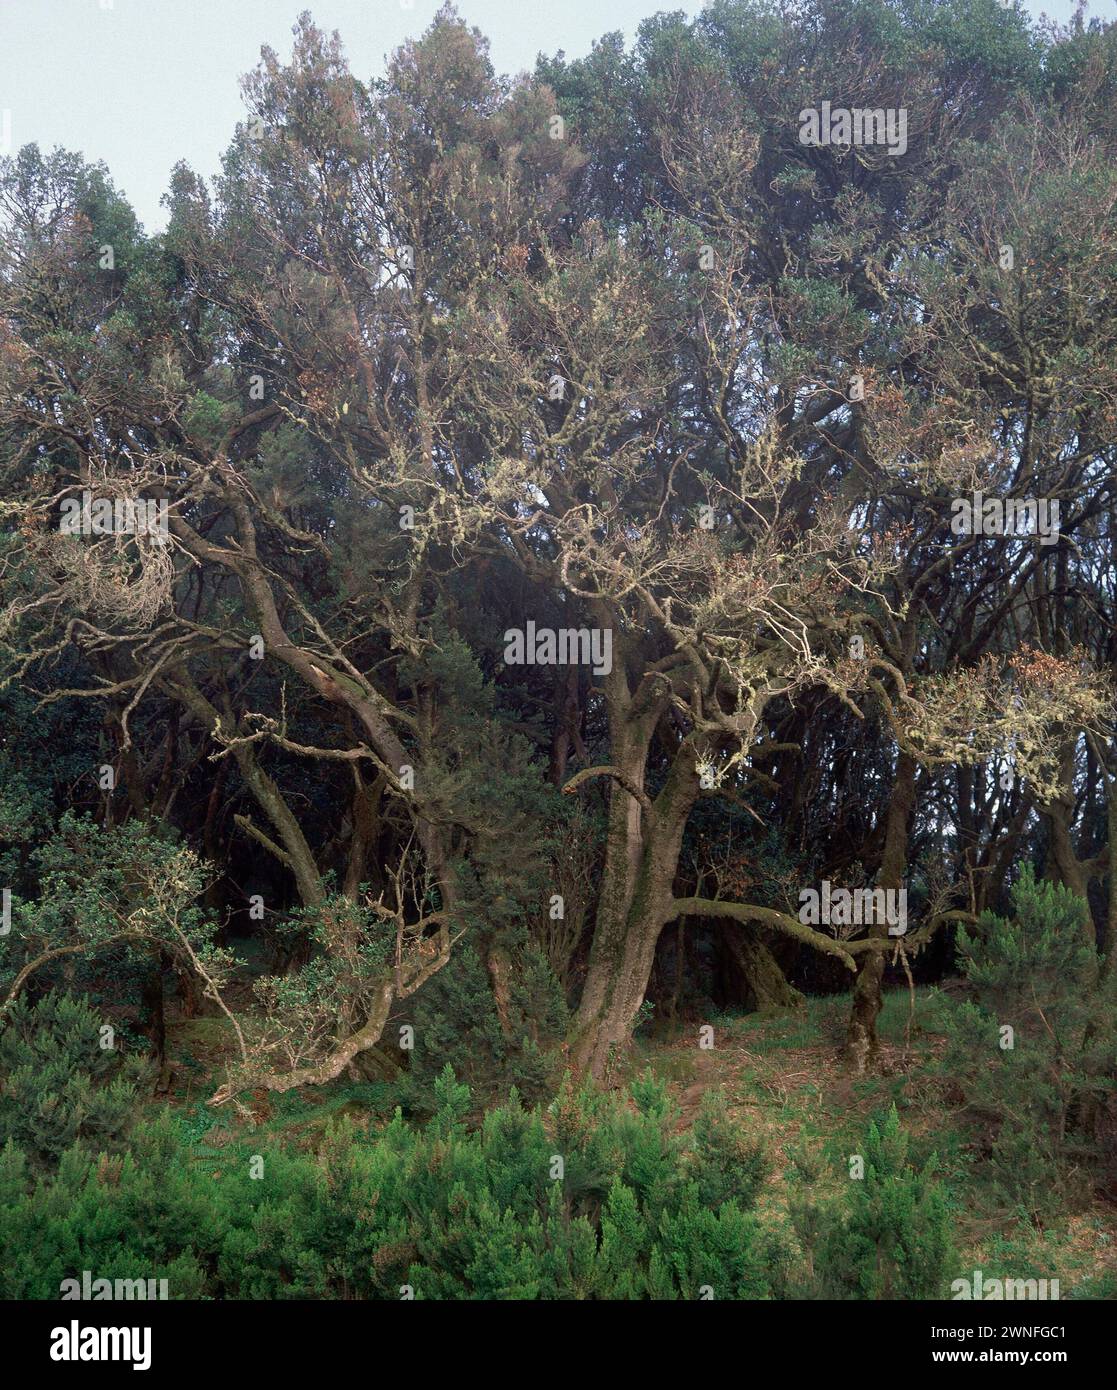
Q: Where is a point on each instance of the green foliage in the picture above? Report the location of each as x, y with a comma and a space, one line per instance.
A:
1033, 1104
127, 886
207, 418
484, 775
58, 1086
453, 1212
51, 749
456, 1023
890, 1238
726, 1164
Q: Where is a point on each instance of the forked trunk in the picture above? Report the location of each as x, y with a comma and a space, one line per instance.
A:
640, 864
601, 1037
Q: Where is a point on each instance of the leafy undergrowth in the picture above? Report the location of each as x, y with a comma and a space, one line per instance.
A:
786, 1082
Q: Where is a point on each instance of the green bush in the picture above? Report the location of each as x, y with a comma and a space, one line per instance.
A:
148, 1214
595, 1197
1033, 1106
456, 1023
588, 1199
58, 1085
726, 1165
890, 1238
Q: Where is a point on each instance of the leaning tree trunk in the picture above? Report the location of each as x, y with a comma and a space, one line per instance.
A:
766, 983
642, 855
861, 1036
600, 1038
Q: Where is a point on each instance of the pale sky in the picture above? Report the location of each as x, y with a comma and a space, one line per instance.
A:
141, 84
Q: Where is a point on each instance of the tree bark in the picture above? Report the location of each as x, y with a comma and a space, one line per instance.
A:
642, 853
766, 983
861, 1037
152, 996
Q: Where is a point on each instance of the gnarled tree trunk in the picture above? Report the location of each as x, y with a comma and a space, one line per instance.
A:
641, 857
861, 1036
766, 982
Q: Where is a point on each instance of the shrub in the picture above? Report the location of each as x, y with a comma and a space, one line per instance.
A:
725, 1164
1033, 1104
633, 1211
456, 1023
890, 1238
58, 1086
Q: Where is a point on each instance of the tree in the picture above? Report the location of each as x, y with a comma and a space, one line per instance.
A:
610, 349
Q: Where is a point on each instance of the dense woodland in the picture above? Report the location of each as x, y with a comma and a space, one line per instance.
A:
346, 954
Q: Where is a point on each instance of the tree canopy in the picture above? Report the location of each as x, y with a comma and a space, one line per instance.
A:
606, 349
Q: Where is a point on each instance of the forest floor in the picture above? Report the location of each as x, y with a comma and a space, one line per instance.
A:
786, 1084
785, 1081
